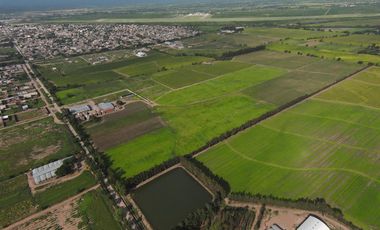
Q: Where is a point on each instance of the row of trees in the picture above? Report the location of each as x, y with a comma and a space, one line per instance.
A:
215, 183
318, 204
203, 217
100, 165
229, 55
49, 85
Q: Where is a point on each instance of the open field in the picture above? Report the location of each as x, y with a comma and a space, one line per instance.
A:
214, 44
42, 141
77, 80
199, 112
119, 127
350, 48
16, 200
96, 211
326, 147
92, 210
189, 75
60, 192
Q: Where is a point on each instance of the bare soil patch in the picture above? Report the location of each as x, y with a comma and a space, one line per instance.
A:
127, 133
62, 217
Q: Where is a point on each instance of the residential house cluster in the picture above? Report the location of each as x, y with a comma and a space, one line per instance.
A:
50, 40
16, 91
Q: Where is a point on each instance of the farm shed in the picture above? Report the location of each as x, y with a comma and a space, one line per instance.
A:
79, 109
46, 172
106, 107
313, 223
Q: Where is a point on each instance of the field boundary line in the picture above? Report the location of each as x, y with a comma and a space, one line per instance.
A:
51, 208
366, 82
200, 82
93, 98
346, 103
242, 155
334, 119
312, 138
160, 83
270, 114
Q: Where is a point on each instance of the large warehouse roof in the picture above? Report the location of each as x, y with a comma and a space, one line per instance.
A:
79, 109
313, 223
46, 172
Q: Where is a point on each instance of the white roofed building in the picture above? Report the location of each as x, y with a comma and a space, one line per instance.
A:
313, 223
79, 109
46, 172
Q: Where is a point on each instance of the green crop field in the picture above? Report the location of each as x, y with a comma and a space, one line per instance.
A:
97, 211
60, 192
347, 48
196, 113
196, 73
16, 201
42, 141
214, 44
325, 147
77, 80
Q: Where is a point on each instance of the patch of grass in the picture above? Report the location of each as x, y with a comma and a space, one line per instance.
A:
197, 73
16, 201
159, 62
229, 83
97, 211
331, 52
42, 141
143, 152
62, 191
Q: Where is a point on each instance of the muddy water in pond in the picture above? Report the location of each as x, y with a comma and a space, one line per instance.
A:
168, 200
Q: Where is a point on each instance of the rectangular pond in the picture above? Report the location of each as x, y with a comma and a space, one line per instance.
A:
167, 200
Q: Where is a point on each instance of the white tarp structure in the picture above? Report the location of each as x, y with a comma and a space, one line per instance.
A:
313, 223
46, 172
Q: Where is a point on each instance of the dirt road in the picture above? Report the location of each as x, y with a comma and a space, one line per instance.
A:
45, 211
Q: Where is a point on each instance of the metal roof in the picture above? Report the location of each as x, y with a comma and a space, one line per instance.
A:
105, 106
46, 171
79, 108
313, 223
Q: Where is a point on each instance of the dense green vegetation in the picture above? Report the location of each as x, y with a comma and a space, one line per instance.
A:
332, 136
42, 141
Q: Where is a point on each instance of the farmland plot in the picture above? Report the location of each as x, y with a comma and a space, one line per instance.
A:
196, 113
326, 147
42, 141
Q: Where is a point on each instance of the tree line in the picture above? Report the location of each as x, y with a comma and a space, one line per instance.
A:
229, 55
